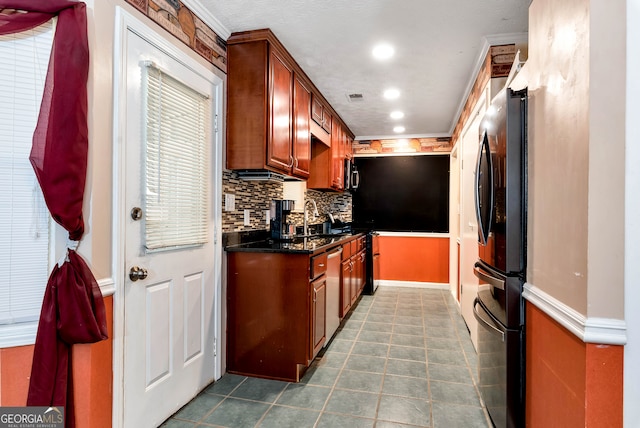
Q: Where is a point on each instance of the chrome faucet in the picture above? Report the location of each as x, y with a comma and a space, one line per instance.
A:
305, 227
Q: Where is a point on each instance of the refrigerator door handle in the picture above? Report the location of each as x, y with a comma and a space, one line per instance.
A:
356, 180
488, 278
481, 320
484, 225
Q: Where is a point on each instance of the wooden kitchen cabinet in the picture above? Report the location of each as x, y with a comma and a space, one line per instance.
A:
349, 147
318, 314
353, 273
280, 102
337, 157
301, 134
275, 314
272, 110
327, 163
321, 114
268, 107
345, 286
361, 270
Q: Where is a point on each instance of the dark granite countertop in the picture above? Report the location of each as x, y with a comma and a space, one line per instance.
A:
306, 245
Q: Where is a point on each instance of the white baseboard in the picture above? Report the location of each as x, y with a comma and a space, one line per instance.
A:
606, 331
414, 284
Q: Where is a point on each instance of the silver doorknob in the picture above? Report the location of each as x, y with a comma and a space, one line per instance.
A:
136, 273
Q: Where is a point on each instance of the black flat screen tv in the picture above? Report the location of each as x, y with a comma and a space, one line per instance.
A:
402, 194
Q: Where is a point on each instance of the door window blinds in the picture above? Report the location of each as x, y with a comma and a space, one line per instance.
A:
176, 155
24, 218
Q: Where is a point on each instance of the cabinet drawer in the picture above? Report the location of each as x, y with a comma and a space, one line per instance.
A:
318, 265
346, 250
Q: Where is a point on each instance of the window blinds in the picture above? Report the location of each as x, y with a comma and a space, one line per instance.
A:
24, 218
176, 156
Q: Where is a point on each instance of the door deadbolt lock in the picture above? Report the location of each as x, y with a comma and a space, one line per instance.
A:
136, 213
136, 273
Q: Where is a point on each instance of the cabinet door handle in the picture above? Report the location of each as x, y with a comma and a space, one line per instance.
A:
315, 295
296, 159
320, 264
290, 163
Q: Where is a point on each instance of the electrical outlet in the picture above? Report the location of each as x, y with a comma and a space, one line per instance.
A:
229, 202
247, 217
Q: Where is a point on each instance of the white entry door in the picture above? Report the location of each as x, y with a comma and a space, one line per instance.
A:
169, 267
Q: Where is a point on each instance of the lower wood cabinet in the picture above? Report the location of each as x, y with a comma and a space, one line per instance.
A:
361, 270
318, 314
345, 286
353, 274
277, 308
275, 314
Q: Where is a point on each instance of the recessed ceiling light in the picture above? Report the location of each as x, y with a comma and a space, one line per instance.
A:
398, 129
396, 114
383, 51
391, 94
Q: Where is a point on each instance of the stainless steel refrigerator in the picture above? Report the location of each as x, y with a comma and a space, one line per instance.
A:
501, 196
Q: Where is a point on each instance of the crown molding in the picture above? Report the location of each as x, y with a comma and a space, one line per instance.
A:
487, 42
207, 17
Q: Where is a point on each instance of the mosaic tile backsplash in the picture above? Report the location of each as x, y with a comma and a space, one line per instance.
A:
256, 196
338, 204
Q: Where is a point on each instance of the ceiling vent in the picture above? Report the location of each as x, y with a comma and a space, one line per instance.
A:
355, 97
260, 175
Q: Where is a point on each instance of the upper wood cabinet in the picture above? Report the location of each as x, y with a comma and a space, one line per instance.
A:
337, 157
321, 114
301, 132
273, 109
280, 104
327, 162
268, 107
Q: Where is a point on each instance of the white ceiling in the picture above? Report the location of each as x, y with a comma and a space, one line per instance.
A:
438, 46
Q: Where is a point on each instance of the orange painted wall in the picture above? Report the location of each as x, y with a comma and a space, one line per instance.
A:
92, 372
93, 379
569, 383
604, 394
421, 259
15, 370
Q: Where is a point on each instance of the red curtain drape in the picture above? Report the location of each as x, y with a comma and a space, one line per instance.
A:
73, 310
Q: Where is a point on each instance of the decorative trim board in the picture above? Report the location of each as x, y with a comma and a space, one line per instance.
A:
606, 331
107, 286
414, 284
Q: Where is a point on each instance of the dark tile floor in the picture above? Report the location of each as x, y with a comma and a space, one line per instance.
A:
403, 358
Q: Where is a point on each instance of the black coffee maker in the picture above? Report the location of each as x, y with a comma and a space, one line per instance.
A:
280, 227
